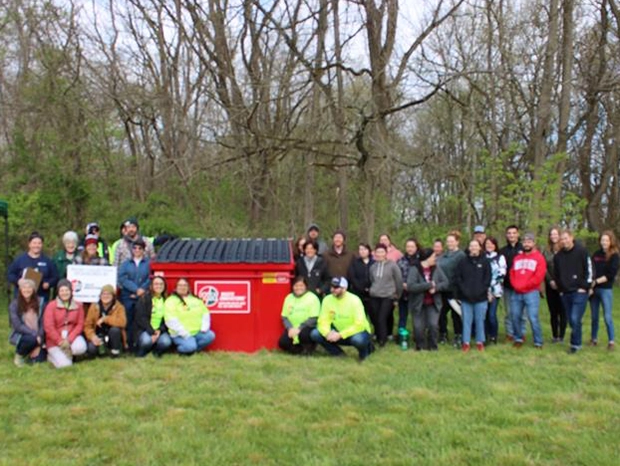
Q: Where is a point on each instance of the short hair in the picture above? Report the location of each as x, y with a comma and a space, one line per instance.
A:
380, 246
365, 245
513, 226
70, 236
298, 279
313, 243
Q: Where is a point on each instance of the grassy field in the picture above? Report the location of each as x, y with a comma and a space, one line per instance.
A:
505, 406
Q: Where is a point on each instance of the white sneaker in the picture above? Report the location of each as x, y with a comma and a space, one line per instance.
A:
19, 360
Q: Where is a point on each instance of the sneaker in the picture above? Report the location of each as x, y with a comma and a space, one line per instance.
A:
517, 344
572, 350
593, 342
465, 347
390, 337
443, 338
480, 346
19, 360
611, 345
509, 338
493, 341
538, 347
457, 341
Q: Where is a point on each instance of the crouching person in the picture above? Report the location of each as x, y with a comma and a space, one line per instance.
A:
63, 322
151, 331
27, 324
105, 325
299, 315
342, 322
188, 320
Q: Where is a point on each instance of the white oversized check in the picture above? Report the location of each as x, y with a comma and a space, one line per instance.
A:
87, 280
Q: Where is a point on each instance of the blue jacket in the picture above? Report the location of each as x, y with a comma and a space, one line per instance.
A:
132, 277
42, 263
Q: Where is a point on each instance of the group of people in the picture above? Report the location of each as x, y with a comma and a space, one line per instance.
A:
136, 315
339, 298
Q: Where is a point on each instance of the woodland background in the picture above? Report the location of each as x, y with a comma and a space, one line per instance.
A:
237, 118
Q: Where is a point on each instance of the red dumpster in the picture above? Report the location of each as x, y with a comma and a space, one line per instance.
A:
243, 282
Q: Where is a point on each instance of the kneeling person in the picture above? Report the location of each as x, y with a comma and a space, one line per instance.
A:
105, 324
342, 322
188, 320
299, 315
151, 331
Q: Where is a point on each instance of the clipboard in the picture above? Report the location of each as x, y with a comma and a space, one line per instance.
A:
34, 275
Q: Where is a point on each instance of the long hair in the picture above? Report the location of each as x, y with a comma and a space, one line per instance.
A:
554, 247
24, 306
613, 246
164, 293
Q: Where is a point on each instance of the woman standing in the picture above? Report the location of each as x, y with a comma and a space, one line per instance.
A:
188, 320
105, 324
473, 278
448, 263
425, 282
299, 315
498, 272
606, 261
409, 259
63, 322
151, 331
386, 286
359, 275
313, 268
393, 253
554, 301
298, 248
68, 254
26, 324
90, 255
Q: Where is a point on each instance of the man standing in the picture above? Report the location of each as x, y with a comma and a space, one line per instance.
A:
123, 251
573, 276
337, 258
526, 277
36, 261
512, 248
480, 235
134, 281
312, 233
342, 322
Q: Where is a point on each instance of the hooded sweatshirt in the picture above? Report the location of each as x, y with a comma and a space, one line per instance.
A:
472, 278
386, 281
528, 271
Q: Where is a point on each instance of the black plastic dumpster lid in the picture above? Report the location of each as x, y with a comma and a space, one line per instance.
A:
226, 251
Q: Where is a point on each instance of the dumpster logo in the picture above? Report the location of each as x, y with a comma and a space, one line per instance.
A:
223, 296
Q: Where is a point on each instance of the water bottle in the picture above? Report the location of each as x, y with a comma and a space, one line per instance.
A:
403, 333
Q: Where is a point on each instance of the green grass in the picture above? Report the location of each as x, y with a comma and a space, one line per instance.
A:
504, 407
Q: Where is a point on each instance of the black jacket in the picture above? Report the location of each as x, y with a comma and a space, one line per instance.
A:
359, 277
509, 252
142, 318
572, 269
473, 278
317, 278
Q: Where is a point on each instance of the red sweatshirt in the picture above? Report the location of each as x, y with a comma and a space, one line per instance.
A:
528, 271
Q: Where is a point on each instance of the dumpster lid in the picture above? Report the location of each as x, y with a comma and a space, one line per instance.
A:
226, 251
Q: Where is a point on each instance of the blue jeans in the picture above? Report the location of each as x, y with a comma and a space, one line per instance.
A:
194, 343
492, 325
508, 292
471, 312
602, 296
145, 344
531, 302
361, 342
575, 307
26, 344
129, 304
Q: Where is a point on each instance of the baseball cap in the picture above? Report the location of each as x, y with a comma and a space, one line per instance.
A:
479, 229
339, 282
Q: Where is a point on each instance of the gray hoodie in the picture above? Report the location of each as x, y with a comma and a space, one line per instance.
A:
386, 280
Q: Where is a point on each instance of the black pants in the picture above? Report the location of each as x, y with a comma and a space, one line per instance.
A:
425, 327
457, 322
26, 344
305, 342
556, 312
115, 342
382, 310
